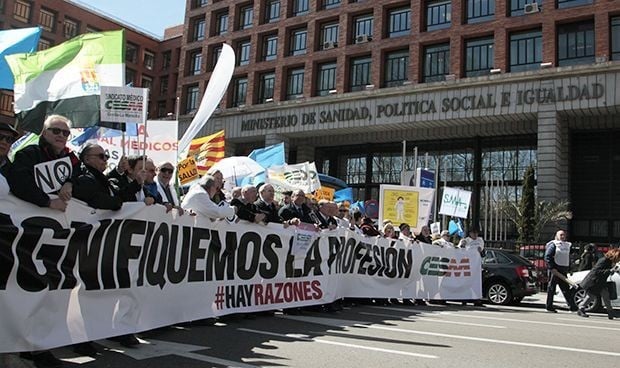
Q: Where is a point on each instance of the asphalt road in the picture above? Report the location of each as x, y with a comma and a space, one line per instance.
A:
373, 336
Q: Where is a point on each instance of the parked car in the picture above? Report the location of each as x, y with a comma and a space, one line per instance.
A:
581, 294
507, 278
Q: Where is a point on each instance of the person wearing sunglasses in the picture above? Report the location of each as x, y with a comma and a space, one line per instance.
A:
92, 186
8, 135
167, 188
52, 147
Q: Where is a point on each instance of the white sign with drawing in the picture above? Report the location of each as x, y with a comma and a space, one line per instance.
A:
455, 202
51, 175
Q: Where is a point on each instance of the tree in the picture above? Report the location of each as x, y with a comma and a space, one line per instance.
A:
531, 216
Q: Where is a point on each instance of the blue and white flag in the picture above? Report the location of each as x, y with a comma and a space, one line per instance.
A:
15, 41
269, 156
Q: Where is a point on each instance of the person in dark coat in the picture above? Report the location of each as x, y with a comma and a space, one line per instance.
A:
92, 186
266, 204
246, 209
8, 135
588, 258
52, 146
324, 215
297, 208
131, 182
595, 282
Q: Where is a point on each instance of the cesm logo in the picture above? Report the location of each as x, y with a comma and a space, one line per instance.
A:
448, 267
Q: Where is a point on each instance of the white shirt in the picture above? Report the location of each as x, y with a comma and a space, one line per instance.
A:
562, 252
469, 243
198, 200
443, 243
162, 193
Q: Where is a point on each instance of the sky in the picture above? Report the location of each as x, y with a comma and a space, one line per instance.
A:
149, 15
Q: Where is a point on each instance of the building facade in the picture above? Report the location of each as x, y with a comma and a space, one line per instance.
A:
482, 88
150, 62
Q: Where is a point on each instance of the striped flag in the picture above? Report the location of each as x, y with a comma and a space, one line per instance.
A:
207, 151
13, 41
66, 79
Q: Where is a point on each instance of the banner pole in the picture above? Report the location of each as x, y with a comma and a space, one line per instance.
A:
404, 161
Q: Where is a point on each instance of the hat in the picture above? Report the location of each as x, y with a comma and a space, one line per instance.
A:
403, 225
287, 192
8, 128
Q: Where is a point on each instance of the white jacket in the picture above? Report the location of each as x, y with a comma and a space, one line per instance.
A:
198, 200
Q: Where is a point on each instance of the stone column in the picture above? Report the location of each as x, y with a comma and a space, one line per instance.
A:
272, 138
305, 153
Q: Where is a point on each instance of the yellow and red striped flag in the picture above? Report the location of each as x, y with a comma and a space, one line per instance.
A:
207, 151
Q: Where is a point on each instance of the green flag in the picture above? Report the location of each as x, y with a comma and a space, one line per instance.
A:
66, 79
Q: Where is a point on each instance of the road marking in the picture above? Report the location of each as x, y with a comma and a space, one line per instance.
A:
527, 321
156, 348
428, 318
330, 342
590, 320
362, 324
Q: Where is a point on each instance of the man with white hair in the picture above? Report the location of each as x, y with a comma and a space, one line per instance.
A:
198, 200
166, 187
246, 209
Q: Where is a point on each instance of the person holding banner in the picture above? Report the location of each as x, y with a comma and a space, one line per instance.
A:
297, 208
425, 235
266, 203
198, 200
166, 190
92, 186
31, 179
324, 215
131, 183
246, 209
8, 135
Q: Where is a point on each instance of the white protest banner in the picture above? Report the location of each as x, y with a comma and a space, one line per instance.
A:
405, 204
303, 239
102, 273
297, 176
455, 202
51, 175
123, 104
436, 228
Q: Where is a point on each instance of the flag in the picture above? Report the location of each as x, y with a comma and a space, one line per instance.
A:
207, 151
269, 156
96, 132
15, 41
25, 140
345, 194
66, 79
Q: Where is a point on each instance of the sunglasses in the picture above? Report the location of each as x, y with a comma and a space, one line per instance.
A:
57, 131
102, 156
166, 170
7, 138
343, 210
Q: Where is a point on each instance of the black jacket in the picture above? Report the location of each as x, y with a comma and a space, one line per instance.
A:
587, 261
325, 221
21, 177
245, 211
96, 190
270, 211
128, 189
290, 212
596, 279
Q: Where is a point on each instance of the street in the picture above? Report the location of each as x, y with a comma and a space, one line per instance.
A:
365, 336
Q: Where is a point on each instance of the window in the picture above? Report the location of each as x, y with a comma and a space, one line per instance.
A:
266, 86
295, 83
570, 3
360, 73
21, 10
221, 23
6, 103
480, 10
130, 76
478, 56
329, 4
326, 78
217, 51
163, 85
525, 50
191, 99
272, 12
195, 62
199, 29
131, 52
199, 3
298, 40
44, 44
245, 17
436, 62
270, 47
517, 6
47, 20
240, 91
355, 170
166, 60
161, 109
70, 28
149, 60
615, 38
363, 28
438, 14
396, 65
244, 52
300, 7
147, 82
576, 43
399, 22
329, 35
